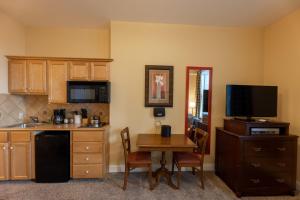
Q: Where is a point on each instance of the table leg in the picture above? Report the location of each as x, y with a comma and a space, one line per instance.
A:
163, 172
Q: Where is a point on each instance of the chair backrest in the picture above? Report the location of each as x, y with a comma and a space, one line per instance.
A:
201, 137
126, 142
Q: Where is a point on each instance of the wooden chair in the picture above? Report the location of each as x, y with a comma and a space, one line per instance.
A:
134, 159
193, 159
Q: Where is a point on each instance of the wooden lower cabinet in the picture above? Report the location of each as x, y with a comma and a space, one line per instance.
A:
4, 162
20, 156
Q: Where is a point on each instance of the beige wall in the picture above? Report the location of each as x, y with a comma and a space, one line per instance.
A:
236, 55
68, 42
12, 41
282, 68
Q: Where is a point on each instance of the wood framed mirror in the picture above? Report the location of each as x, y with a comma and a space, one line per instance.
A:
198, 100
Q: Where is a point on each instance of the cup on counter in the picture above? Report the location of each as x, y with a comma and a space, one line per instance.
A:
77, 119
66, 120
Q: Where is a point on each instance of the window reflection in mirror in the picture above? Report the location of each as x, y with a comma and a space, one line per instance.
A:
198, 100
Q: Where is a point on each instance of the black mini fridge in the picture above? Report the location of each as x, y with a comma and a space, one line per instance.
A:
52, 156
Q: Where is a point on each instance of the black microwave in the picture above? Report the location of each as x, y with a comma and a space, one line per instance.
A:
88, 92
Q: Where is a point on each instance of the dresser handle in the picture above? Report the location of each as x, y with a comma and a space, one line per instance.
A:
87, 158
87, 171
257, 149
87, 147
280, 164
255, 181
281, 148
280, 180
256, 165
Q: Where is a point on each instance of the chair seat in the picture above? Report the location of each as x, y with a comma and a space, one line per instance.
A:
188, 158
139, 157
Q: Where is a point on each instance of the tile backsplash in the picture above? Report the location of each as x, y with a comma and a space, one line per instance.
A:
13, 106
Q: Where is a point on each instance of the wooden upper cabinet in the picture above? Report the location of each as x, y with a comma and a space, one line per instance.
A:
4, 161
57, 78
20, 161
37, 77
79, 70
17, 76
99, 71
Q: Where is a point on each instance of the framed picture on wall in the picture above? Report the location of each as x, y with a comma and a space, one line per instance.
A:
158, 86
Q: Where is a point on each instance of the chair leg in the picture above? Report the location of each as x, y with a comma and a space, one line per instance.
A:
201, 177
173, 163
150, 177
178, 176
193, 170
125, 177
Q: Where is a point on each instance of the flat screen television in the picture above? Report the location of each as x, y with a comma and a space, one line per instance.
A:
251, 101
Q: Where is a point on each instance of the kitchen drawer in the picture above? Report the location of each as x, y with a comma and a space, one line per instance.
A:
88, 136
87, 147
3, 136
88, 171
262, 164
20, 136
268, 148
87, 158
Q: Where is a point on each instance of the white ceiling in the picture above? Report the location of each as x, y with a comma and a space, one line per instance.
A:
95, 13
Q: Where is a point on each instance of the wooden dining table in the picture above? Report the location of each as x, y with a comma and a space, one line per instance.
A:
155, 142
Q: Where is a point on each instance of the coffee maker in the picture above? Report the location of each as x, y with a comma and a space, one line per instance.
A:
59, 116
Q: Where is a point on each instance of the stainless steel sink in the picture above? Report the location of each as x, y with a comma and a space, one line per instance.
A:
25, 125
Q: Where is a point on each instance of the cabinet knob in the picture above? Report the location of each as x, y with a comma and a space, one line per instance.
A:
281, 149
87, 158
4, 148
255, 181
87, 147
87, 171
11, 148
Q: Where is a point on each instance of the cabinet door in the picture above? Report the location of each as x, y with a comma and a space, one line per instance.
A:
57, 80
79, 70
37, 77
17, 76
99, 71
4, 165
20, 161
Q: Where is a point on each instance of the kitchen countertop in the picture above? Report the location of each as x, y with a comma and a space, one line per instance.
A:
45, 127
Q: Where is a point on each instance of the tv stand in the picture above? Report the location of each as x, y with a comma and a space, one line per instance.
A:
256, 165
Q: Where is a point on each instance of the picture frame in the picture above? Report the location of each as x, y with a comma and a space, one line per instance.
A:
159, 86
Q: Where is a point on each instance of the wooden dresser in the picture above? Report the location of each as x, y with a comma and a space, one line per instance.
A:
257, 165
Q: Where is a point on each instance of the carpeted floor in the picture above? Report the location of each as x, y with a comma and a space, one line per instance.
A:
110, 188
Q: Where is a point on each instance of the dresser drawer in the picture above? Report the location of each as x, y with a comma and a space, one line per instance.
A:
267, 180
87, 147
87, 158
88, 171
268, 148
88, 136
20, 136
262, 164
3, 136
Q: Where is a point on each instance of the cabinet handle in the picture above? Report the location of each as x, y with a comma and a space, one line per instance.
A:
255, 181
87, 147
281, 149
11, 148
280, 164
87, 171
280, 180
257, 149
87, 158
256, 165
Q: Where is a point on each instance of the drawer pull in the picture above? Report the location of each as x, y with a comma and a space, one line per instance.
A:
281, 149
256, 165
280, 180
257, 149
87, 171
87, 158
255, 181
280, 164
87, 147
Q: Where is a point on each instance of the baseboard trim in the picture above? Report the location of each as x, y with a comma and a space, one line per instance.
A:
121, 168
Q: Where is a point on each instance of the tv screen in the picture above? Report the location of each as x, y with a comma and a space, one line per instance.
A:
205, 101
251, 101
